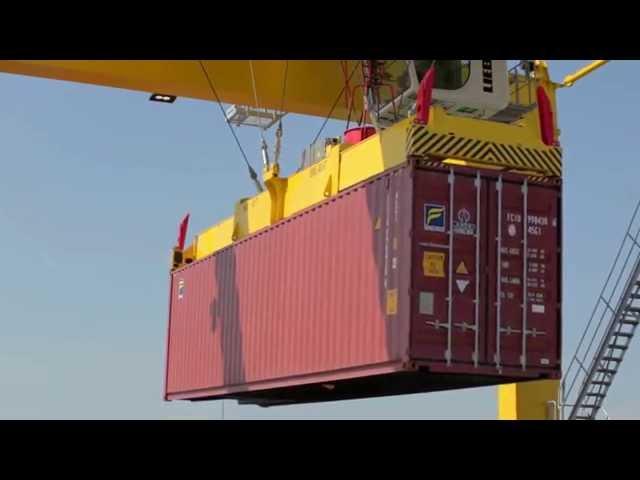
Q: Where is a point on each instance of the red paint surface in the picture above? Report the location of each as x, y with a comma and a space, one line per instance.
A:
301, 298
543, 276
357, 134
182, 231
305, 300
429, 340
545, 114
425, 92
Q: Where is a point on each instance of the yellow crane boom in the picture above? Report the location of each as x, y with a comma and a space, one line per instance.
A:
312, 86
569, 80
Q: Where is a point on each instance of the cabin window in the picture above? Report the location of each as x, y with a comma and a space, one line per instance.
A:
450, 74
397, 76
400, 77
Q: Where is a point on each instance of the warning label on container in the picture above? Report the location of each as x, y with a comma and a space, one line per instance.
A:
392, 301
426, 303
462, 269
433, 264
537, 308
462, 285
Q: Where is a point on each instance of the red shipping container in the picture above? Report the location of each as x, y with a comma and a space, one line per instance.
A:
350, 298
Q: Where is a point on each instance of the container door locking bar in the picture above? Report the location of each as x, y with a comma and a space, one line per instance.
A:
525, 266
499, 275
476, 353
447, 353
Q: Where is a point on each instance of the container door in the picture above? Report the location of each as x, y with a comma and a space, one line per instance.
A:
447, 257
524, 275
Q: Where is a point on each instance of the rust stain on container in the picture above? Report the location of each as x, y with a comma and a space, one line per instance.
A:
369, 292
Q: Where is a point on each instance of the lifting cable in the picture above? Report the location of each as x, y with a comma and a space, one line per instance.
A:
344, 65
344, 88
263, 145
284, 85
252, 172
277, 148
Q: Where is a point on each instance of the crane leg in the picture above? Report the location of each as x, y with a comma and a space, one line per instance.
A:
537, 400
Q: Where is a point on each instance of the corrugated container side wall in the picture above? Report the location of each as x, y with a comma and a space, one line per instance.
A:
324, 291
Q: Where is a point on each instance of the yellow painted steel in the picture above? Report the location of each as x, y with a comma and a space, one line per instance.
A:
214, 238
251, 214
311, 89
524, 133
569, 80
523, 91
466, 163
315, 84
487, 145
190, 253
342, 167
313, 184
277, 188
523, 151
374, 155
535, 400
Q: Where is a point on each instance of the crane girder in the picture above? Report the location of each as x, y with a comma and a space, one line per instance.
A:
312, 86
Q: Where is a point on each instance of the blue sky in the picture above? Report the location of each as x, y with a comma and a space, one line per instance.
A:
95, 180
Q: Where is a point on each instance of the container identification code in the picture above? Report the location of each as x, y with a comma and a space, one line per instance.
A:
535, 223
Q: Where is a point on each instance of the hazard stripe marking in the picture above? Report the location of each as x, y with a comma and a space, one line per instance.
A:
547, 161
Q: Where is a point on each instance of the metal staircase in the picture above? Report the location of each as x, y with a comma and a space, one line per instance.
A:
595, 364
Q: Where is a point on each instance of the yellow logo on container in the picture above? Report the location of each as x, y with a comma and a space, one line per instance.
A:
434, 214
434, 217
